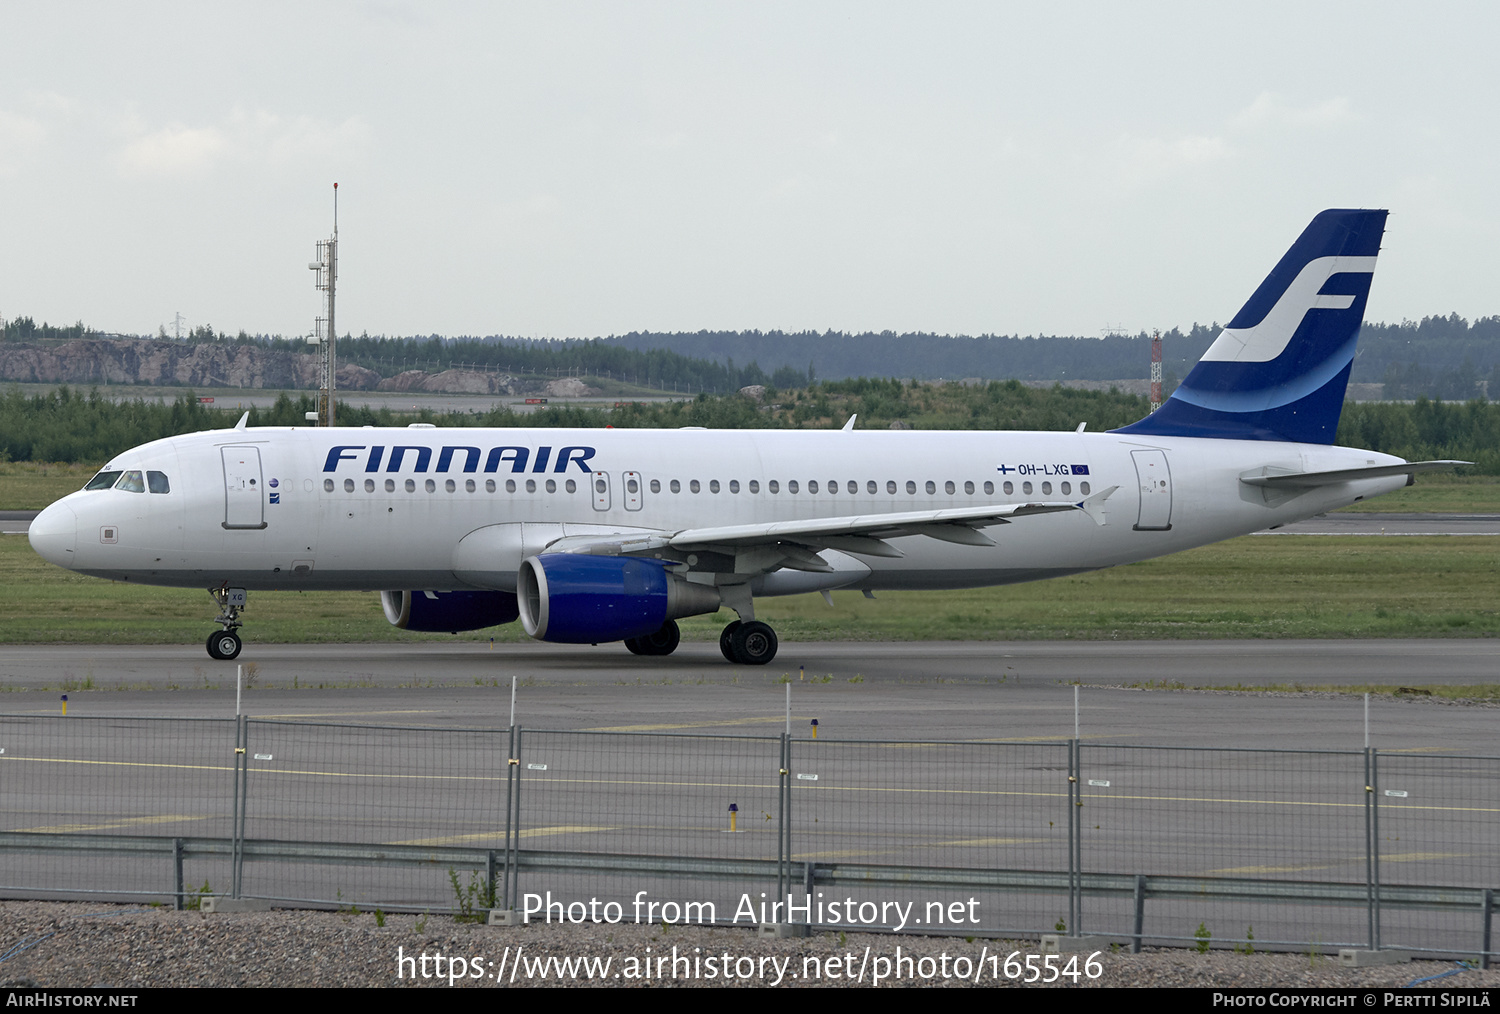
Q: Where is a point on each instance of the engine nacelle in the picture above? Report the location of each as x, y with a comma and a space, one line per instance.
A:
576, 598
448, 611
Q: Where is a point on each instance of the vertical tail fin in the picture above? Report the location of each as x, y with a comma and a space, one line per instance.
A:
1279, 369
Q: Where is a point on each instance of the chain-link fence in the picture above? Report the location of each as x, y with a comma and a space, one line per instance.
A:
1140, 844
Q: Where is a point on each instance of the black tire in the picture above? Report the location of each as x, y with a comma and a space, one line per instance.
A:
663, 642
223, 645
633, 645
754, 643
726, 639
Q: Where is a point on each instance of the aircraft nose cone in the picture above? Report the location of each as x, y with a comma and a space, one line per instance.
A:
53, 534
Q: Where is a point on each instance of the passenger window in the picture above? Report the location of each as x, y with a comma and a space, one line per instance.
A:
1083, 488
675, 486
1067, 488
713, 485
911, 488
157, 482
631, 486
969, 488
131, 482
755, 486
890, 486
431, 486
1046, 489
772, 486
349, 485
948, 487
693, 486
328, 485
1026, 488
104, 480
854, 486
510, 485
551, 485
812, 487
734, 485
870, 487
931, 487
469, 485
572, 487
656, 485
489, 485
791, 486
390, 485
531, 485
411, 485
369, 485
1009, 487
989, 487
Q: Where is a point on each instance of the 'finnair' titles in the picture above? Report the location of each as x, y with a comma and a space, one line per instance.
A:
592, 536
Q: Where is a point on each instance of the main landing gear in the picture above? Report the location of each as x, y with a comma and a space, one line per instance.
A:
663, 642
224, 645
748, 642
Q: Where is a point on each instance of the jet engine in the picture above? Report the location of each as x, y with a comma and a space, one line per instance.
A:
576, 598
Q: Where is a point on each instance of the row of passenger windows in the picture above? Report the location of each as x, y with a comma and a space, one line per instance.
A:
773, 486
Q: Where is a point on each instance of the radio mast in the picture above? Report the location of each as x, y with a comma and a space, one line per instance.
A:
324, 331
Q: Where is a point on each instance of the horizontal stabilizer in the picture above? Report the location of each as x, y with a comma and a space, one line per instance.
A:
1333, 478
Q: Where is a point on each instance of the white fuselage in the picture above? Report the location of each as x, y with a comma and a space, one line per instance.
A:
308, 508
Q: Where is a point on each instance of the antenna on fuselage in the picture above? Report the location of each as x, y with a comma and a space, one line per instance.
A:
324, 331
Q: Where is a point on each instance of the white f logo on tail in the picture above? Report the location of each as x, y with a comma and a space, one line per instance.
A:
1263, 342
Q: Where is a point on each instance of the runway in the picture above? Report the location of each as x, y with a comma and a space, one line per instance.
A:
1130, 691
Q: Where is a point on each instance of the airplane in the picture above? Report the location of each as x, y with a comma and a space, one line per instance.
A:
603, 535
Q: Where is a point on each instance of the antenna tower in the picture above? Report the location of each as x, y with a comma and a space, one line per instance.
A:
324, 331
1155, 371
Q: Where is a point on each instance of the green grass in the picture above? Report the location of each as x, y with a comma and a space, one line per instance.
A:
30, 485
1288, 586
1438, 493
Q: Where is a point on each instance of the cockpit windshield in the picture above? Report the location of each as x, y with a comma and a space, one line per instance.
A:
103, 480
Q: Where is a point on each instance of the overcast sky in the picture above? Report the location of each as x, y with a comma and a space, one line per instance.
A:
575, 169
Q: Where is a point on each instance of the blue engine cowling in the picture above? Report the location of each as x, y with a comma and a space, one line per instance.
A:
448, 611
584, 599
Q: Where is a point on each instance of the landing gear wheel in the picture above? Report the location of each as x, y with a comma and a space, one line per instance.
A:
754, 643
725, 641
633, 644
224, 645
663, 642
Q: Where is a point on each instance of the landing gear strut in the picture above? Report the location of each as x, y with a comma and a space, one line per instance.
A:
224, 645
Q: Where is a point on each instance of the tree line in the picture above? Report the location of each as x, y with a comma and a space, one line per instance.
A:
66, 426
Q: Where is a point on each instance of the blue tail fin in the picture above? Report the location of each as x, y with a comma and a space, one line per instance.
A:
1279, 369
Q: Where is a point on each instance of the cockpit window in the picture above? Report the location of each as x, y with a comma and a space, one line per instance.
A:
103, 480
131, 481
157, 482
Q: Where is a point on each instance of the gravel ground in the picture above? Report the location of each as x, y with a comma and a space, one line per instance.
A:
92, 945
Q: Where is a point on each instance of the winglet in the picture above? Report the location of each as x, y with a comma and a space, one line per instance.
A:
1094, 506
850, 424
243, 420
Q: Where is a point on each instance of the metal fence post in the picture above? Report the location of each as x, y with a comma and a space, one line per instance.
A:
784, 821
512, 818
177, 878
1369, 851
1140, 913
1375, 839
1484, 939
241, 791
1075, 840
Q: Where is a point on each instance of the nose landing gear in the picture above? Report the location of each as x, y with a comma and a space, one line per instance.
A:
224, 645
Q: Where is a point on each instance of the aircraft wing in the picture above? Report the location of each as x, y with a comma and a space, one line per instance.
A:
795, 542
